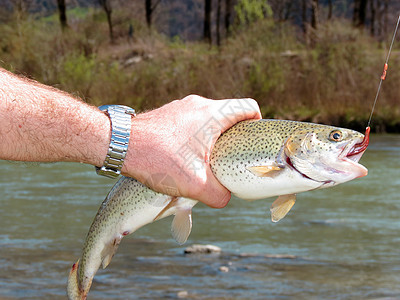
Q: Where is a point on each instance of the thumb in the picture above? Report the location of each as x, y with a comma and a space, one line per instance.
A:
216, 197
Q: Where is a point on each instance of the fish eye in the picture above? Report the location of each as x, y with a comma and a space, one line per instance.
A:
336, 136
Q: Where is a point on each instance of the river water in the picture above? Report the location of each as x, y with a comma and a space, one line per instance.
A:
336, 243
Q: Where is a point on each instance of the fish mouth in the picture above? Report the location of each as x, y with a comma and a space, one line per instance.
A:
360, 147
352, 154
344, 168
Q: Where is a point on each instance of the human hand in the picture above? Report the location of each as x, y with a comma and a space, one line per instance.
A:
169, 148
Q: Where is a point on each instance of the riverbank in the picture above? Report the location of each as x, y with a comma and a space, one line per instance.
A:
340, 242
332, 82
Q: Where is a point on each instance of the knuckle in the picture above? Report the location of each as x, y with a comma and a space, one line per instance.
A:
192, 98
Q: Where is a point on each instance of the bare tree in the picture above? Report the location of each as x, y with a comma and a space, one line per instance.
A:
385, 16
228, 12
330, 9
218, 22
304, 15
372, 8
150, 7
314, 14
62, 14
356, 7
288, 10
108, 10
21, 7
359, 13
283, 9
207, 20
362, 13
379, 18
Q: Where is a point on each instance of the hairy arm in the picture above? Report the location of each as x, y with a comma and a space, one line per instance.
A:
40, 123
169, 148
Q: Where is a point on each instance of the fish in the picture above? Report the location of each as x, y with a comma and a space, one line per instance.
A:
254, 159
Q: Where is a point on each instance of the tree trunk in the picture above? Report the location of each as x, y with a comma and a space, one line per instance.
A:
314, 14
110, 25
150, 8
359, 13
288, 10
21, 7
149, 12
228, 8
207, 20
379, 21
218, 23
304, 15
356, 13
62, 14
108, 10
362, 13
385, 17
373, 12
330, 9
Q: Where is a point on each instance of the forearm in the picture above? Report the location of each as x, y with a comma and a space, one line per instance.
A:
169, 148
40, 123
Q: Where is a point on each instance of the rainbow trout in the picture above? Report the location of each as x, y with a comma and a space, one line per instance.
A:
254, 159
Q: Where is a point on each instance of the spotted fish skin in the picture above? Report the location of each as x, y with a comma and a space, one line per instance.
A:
254, 159
128, 206
280, 144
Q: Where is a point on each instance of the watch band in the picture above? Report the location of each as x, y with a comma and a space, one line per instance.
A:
120, 117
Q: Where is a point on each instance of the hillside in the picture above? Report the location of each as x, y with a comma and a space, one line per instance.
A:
331, 80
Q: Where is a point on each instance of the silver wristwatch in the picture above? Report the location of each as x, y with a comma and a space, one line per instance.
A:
120, 117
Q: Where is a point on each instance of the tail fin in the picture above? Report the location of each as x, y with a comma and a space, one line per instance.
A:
74, 292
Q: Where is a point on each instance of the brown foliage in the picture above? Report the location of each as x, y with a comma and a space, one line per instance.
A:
333, 82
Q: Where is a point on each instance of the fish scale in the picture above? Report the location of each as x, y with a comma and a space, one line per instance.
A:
252, 143
254, 159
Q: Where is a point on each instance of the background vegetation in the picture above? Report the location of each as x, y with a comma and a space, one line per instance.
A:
315, 63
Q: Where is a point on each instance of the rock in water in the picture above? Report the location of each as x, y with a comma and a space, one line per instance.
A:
196, 248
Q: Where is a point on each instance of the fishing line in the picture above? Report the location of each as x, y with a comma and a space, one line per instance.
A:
383, 76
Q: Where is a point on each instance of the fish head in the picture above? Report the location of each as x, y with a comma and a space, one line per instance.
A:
326, 154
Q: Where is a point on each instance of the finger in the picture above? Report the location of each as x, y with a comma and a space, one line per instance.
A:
216, 195
231, 111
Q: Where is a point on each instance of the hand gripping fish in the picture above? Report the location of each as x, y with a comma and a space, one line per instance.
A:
254, 159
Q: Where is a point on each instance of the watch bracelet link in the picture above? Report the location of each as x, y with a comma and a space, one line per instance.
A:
120, 118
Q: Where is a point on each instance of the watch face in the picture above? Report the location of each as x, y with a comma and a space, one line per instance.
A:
105, 107
128, 110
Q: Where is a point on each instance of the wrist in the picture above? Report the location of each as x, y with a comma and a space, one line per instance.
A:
121, 119
102, 141
140, 156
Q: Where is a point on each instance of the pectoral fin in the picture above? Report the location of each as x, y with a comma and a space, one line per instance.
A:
282, 206
265, 171
182, 225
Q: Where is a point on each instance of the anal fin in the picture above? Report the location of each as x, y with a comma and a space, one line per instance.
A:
281, 206
109, 250
182, 225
